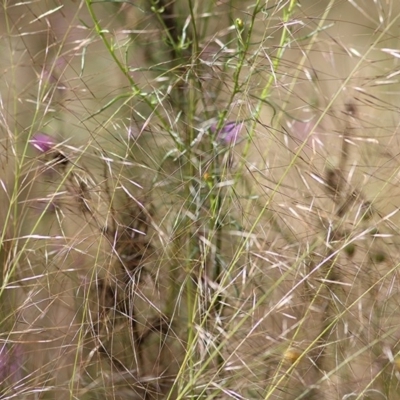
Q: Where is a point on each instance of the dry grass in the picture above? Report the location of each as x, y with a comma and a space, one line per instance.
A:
211, 207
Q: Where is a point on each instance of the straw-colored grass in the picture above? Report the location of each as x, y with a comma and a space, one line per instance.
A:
199, 200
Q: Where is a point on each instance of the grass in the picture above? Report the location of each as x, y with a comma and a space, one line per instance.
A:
200, 200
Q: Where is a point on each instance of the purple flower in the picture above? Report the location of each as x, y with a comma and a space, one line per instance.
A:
11, 363
43, 142
229, 133
48, 145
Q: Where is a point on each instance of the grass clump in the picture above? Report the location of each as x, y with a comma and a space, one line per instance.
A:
200, 200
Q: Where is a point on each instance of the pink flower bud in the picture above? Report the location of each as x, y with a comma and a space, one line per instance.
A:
48, 145
43, 142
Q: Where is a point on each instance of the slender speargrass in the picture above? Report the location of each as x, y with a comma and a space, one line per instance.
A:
200, 200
